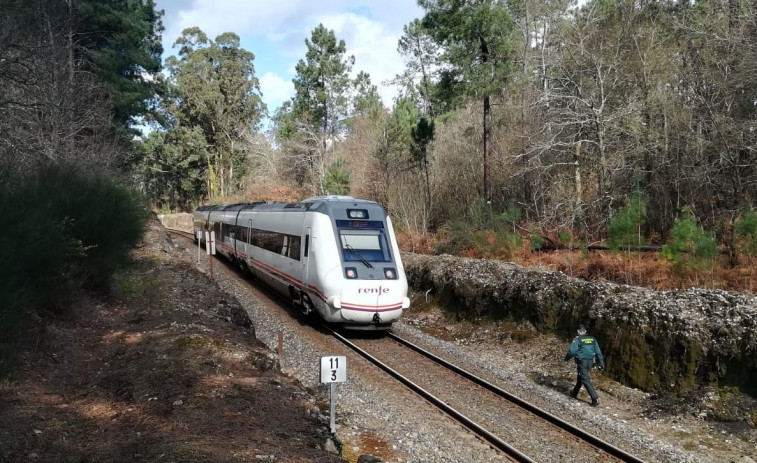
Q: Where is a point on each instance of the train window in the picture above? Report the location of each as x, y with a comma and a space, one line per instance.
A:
294, 247
286, 245
369, 245
270, 241
363, 242
307, 245
242, 234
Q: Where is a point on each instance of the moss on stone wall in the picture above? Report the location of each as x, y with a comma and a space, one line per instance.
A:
653, 341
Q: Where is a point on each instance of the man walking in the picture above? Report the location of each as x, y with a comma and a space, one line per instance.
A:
584, 348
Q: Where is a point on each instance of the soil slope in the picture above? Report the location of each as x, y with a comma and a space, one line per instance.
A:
165, 368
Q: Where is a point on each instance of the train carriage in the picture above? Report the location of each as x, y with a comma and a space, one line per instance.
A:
333, 255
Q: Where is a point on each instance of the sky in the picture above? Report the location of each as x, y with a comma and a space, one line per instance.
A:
275, 31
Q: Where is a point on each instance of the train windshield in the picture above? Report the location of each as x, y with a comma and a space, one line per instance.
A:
364, 245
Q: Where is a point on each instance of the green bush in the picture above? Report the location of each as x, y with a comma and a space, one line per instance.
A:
536, 239
565, 238
511, 215
746, 230
510, 241
689, 244
460, 236
61, 230
706, 250
336, 180
474, 234
625, 227
482, 216
106, 221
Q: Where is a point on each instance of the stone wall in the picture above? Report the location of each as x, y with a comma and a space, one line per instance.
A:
182, 221
653, 340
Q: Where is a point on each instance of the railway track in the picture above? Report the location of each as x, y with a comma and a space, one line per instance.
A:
187, 235
491, 413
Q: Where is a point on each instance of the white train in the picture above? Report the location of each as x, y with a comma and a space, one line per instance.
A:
336, 256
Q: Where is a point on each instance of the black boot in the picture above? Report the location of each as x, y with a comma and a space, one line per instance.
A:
594, 402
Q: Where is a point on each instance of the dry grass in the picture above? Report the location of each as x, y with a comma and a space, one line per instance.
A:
646, 269
265, 192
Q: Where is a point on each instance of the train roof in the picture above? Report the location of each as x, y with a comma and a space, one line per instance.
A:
328, 203
228, 207
315, 203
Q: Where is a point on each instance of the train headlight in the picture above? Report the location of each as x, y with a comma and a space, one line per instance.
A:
357, 213
390, 273
350, 273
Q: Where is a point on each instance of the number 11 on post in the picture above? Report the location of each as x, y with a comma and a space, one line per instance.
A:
334, 369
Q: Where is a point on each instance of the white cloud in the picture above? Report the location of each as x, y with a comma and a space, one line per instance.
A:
217, 16
374, 47
275, 31
275, 90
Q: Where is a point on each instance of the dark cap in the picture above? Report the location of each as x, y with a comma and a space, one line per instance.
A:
581, 328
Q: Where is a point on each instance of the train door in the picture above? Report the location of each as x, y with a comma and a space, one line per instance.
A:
305, 262
248, 248
307, 244
233, 245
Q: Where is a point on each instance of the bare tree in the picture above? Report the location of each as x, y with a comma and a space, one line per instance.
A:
50, 110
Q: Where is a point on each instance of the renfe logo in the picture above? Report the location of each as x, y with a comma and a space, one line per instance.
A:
379, 290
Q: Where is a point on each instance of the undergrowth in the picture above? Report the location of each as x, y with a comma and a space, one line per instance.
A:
62, 230
647, 269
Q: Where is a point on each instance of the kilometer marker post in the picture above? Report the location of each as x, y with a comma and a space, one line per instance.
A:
210, 247
199, 243
333, 370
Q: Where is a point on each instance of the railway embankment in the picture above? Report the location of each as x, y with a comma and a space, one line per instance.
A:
665, 341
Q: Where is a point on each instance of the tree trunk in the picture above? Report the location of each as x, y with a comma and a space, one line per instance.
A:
578, 186
603, 178
428, 183
487, 149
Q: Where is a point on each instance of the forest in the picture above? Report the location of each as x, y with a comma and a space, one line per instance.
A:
521, 127
536, 124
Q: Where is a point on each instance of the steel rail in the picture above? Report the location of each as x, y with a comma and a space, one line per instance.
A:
543, 414
467, 422
495, 441
183, 233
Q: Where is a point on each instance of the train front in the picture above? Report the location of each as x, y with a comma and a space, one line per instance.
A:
374, 287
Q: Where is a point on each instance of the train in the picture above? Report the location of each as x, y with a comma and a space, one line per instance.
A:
332, 256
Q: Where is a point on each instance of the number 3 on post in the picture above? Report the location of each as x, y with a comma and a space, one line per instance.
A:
334, 369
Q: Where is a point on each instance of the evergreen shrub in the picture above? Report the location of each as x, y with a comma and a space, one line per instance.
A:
690, 246
61, 230
625, 227
484, 232
746, 229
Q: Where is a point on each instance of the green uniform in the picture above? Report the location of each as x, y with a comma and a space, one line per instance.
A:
584, 349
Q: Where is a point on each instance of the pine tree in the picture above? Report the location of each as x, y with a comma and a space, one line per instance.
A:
474, 36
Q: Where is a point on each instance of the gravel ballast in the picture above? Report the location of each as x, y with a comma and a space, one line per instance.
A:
376, 416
